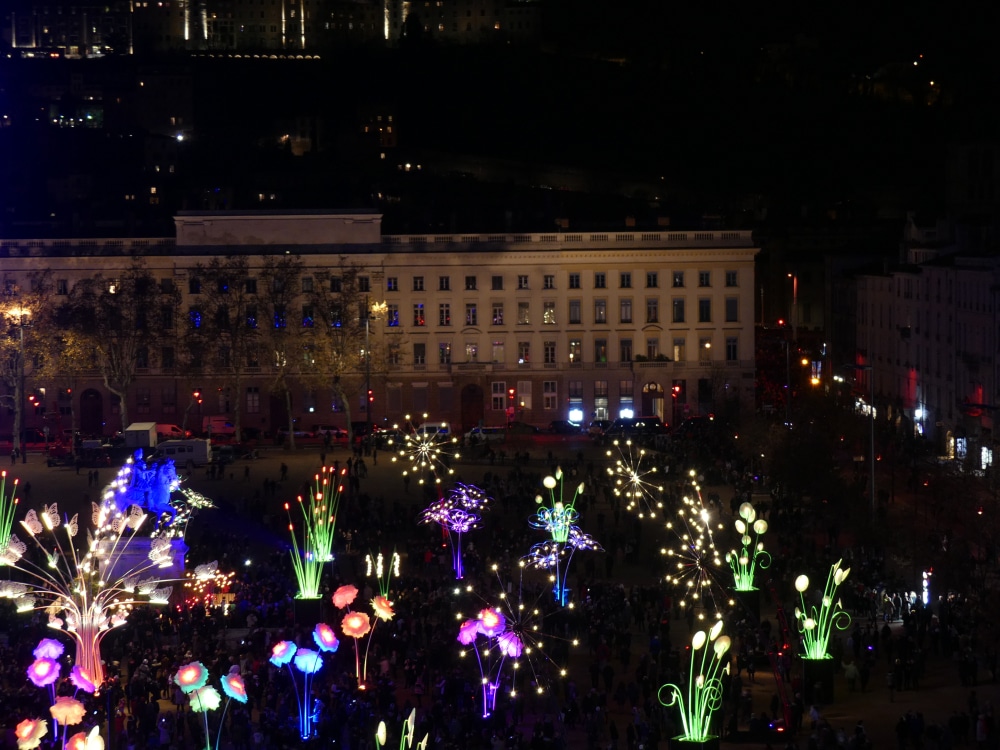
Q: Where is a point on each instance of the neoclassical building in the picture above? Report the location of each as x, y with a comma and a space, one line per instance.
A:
478, 328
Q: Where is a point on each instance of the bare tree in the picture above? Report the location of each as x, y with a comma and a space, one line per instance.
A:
224, 328
118, 317
286, 347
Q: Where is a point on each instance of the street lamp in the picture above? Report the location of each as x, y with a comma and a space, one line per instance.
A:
795, 306
19, 316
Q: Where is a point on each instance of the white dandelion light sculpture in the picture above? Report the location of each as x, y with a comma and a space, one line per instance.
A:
426, 453
456, 513
635, 476
88, 586
512, 637
693, 562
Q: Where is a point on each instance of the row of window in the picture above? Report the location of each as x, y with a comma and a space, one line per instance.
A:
471, 318
574, 352
523, 282
574, 281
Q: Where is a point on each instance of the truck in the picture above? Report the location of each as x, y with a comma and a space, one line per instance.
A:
186, 454
141, 435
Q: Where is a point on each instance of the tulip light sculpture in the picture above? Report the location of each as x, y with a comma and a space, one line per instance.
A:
752, 554
406, 736
816, 623
704, 685
319, 522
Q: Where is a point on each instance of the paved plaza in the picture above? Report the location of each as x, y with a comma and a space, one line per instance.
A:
939, 696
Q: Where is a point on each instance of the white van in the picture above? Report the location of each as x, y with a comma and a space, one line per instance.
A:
186, 454
441, 429
479, 435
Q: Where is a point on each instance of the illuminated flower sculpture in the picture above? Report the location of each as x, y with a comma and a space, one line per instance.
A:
88, 586
425, 453
192, 679
816, 623
319, 514
703, 686
308, 662
694, 561
512, 634
632, 472
66, 710
557, 519
406, 736
456, 513
752, 554
86, 740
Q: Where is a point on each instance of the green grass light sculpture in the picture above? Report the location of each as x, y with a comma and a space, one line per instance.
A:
752, 554
816, 623
704, 685
319, 523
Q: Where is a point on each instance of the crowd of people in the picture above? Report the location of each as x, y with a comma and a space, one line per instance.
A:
625, 625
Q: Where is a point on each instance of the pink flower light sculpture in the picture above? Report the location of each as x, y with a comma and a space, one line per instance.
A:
234, 688
48, 648
43, 672
83, 741
344, 596
468, 631
383, 608
191, 676
282, 653
326, 638
81, 680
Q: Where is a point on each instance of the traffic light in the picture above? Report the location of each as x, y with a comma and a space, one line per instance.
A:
371, 396
196, 395
675, 391
511, 393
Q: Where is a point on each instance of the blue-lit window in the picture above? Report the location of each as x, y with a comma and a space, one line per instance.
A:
336, 317
194, 315
392, 315
251, 317
307, 316
280, 316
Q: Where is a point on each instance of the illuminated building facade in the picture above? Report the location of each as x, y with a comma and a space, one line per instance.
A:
475, 329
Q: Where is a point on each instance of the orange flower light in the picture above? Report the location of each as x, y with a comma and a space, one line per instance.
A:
356, 624
29, 733
343, 596
67, 710
383, 608
83, 741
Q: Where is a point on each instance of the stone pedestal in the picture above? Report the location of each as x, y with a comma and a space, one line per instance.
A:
817, 681
132, 554
676, 743
748, 603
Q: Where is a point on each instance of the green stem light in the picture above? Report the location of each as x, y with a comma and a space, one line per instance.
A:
816, 623
752, 554
319, 514
704, 684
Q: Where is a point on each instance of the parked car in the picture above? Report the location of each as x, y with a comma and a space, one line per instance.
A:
337, 434
598, 427
523, 428
480, 435
565, 427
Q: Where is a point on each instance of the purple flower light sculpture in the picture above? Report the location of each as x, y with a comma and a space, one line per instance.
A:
556, 556
456, 513
501, 643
